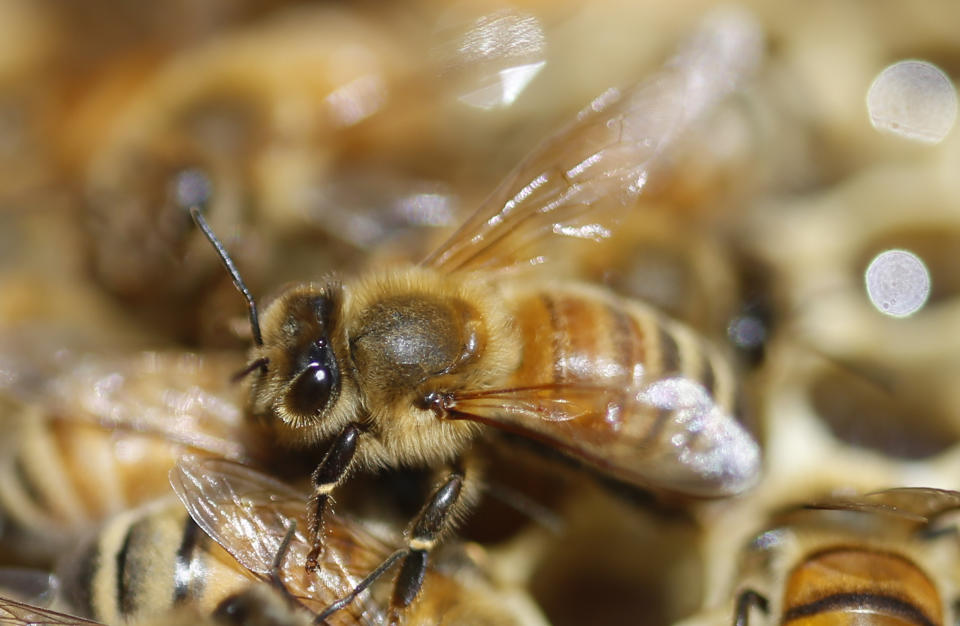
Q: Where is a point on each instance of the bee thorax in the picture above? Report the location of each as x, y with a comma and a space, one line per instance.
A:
402, 341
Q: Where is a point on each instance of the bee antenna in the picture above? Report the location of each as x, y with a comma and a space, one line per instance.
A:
192, 193
259, 364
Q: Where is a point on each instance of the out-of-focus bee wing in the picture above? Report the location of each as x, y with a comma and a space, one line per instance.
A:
21, 614
250, 514
918, 504
668, 435
577, 183
182, 398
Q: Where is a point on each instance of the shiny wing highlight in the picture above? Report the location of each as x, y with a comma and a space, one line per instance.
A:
249, 515
668, 435
577, 182
182, 398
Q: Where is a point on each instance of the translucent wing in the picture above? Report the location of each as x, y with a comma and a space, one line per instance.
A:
249, 515
185, 398
668, 435
34, 586
87, 435
578, 181
919, 504
21, 614
244, 511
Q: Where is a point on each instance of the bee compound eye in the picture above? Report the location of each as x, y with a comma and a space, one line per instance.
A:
312, 389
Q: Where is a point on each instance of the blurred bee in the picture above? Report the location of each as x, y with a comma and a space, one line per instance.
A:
88, 436
878, 558
405, 366
279, 114
239, 556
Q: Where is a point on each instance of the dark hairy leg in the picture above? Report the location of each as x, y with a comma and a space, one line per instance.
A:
328, 475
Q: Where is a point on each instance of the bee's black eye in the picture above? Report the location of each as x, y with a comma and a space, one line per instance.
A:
316, 384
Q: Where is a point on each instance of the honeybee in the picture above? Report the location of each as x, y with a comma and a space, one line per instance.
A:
407, 366
90, 435
238, 553
878, 558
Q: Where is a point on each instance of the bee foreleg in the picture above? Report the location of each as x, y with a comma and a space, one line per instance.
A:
746, 599
426, 528
330, 473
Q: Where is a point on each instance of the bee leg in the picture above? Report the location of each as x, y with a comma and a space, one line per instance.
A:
746, 599
429, 523
276, 578
326, 477
248, 607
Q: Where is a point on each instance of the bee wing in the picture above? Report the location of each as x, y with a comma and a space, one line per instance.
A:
244, 511
918, 504
182, 398
577, 182
35, 586
249, 514
22, 614
668, 435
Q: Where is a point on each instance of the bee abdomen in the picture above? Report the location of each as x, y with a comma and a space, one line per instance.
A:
589, 336
843, 582
62, 476
146, 562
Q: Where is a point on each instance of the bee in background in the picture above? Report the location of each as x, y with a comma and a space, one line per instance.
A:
406, 366
292, 189
240, 556
88, 436
880, 558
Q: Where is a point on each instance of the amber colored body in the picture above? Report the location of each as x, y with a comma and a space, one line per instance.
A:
846, 586
404, 366
41, 489
424, 357
586, 336
100, 437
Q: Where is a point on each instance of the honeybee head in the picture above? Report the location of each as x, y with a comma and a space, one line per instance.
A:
298, 376
301, 379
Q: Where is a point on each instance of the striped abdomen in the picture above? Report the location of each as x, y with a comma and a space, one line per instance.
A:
612, 383
145, 562
860, 586
587, 335
61, 476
